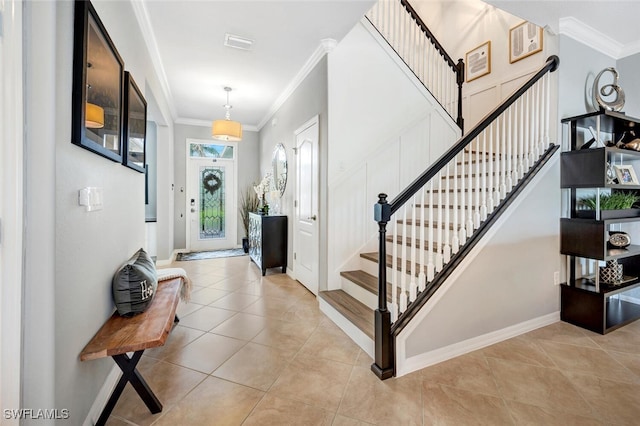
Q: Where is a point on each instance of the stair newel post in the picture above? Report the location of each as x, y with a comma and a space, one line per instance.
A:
460, 80
383, 365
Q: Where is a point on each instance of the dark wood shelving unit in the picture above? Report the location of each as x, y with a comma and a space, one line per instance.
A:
585, 301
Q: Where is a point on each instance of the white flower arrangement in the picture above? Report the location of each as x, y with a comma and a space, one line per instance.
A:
263, 186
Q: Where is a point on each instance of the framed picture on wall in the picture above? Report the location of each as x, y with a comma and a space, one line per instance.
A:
98, 78
525, 39
478, 61
135, 125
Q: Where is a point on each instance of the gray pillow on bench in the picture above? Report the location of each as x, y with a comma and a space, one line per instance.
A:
135, 284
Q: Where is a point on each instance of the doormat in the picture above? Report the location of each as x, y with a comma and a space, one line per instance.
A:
216, 254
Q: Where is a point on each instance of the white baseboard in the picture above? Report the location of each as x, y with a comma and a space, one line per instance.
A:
103, 396
408, 365
354, 333
172, 258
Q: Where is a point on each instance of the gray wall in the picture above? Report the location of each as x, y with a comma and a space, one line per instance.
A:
511, 279
69, 265
630, 82
579, 64
151, 154
248, 154
308, 100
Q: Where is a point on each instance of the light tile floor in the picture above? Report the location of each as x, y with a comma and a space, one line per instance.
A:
255, 350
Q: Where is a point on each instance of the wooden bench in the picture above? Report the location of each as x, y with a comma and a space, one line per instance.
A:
120, 335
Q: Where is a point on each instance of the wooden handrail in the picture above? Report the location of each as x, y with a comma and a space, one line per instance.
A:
429, 34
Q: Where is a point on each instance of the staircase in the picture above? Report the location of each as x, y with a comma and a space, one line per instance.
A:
429, 228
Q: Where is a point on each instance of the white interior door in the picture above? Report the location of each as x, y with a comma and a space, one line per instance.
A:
306, 245
211, 200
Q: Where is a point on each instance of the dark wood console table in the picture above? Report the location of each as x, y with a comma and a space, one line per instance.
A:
120, 335
268, 241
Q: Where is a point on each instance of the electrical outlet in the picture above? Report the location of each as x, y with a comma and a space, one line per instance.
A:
556, 278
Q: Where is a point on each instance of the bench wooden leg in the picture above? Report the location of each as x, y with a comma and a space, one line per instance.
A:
132, 375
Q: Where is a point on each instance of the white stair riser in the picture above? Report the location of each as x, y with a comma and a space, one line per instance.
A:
361, 339
359, 293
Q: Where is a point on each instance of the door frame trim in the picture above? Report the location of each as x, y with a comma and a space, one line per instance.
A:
315, 120
12, 205
187, 208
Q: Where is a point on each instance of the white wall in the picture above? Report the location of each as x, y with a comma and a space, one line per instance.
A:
307, 100
385, 129
69, 267
248, 153
461, 26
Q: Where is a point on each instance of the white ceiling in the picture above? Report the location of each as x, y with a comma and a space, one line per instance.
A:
189, 36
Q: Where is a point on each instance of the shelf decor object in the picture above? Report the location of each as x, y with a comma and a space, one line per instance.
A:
98, 78
525, 39
598, 102
603, 265
626, 175
135, 126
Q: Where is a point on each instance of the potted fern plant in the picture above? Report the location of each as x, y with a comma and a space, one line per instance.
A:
248, 203
612, 206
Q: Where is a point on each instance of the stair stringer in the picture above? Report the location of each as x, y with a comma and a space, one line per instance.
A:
504, 286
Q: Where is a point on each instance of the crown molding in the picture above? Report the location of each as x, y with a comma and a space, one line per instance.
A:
142, 16
326, 46
630, 49
591, 37
207, 123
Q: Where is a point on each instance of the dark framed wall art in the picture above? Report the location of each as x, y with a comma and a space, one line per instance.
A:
98, 81
135, 126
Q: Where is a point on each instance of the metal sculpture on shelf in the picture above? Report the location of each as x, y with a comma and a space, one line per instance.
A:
608, 90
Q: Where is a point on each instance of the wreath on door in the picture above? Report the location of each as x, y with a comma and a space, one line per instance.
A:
211, 182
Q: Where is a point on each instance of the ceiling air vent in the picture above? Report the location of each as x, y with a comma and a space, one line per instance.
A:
237, 42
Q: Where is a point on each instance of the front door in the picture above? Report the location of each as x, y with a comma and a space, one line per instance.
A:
211, 195
306, 245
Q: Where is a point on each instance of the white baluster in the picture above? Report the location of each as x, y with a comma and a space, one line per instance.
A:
413, 286
521, 139
394, 269
403, 260
532, 125
446, 248
547, 109
477, 187
503, 156
470, 190
455, 240
430, 243
463, 207
511, 177
483, 181
422, 276
495, 142
438, 223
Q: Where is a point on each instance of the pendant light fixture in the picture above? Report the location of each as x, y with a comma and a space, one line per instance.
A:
227, 129
93, 116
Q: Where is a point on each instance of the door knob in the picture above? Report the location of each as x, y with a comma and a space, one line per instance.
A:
312, 217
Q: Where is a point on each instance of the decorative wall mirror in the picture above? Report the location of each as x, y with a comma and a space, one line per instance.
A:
279, 164
98, 77
135, 126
